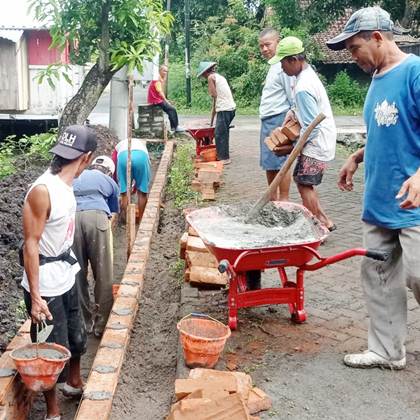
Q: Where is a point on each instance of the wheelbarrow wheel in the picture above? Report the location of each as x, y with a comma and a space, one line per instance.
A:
299, 317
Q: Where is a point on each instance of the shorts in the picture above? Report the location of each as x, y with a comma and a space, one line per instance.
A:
140, 170
269, 161
308, 170
69, 328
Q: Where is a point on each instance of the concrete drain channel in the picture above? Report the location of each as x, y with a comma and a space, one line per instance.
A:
96, 403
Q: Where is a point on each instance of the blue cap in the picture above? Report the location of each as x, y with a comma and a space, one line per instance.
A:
366, 19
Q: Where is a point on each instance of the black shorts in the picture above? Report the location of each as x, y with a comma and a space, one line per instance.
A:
69, 328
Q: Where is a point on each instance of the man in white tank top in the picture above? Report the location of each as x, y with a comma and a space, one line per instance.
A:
50, 266
223, 107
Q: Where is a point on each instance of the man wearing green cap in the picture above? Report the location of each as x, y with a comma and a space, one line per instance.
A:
391, 205
223, 107
310, 99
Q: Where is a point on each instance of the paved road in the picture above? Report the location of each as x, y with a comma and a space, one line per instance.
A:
300, 366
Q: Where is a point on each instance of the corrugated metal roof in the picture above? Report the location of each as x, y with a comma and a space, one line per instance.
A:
11, 35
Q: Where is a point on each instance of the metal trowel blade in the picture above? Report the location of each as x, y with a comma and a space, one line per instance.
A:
45, 333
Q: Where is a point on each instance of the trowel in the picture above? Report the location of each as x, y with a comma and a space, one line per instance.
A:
44, 332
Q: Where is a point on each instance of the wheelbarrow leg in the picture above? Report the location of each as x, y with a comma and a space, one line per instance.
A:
288, 284
233, 302
299, 316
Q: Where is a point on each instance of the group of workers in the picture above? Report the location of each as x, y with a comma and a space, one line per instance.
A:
55, 218
67, 220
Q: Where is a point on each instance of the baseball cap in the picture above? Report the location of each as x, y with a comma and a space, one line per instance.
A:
366, 19
204, 66
106, 162
74, 141
287, 46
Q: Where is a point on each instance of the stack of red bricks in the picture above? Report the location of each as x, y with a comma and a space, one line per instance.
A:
221, 395
200, 264
207, 178
283, 136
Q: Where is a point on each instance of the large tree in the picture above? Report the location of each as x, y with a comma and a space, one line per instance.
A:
317, 14
108, 33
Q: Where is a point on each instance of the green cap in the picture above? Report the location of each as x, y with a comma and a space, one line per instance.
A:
287, 46
204, 66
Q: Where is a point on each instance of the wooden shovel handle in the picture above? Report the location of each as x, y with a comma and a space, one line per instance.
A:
285, 168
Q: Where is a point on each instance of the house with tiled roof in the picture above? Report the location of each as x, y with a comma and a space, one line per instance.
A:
406, 42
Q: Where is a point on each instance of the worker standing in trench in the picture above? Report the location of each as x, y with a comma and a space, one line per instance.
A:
50, 266
140, 173
391, 205
97, 197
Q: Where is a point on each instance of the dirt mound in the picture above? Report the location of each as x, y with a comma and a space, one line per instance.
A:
106, 139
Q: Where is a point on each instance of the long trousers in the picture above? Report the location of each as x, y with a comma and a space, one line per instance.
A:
221, 133
172, 114
385, 286
93, 244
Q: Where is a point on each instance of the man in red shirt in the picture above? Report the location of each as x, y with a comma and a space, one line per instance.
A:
156, 96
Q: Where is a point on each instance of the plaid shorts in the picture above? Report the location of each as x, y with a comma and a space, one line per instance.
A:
309, 171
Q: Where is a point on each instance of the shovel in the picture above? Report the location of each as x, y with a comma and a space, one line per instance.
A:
265, 198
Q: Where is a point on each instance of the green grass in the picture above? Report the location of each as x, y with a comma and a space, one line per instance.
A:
181, 175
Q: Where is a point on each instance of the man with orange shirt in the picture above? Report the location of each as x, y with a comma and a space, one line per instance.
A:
156, 96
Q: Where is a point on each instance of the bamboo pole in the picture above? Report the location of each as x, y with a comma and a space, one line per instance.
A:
130, 220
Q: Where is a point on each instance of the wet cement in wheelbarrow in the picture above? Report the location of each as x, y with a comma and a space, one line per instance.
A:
273, 226
33, 353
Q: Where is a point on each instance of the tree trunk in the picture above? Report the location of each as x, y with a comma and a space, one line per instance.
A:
409, 12
80, 106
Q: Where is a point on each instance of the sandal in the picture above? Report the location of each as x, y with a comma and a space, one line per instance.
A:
332, 228
71, 391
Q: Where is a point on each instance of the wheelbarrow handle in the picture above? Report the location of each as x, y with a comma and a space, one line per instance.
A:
378, 255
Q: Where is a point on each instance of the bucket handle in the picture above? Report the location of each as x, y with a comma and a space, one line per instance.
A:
201, 315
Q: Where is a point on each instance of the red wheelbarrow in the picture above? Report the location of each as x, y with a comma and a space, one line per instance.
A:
237, 262
204, 138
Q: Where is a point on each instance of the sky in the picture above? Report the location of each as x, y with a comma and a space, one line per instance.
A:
15, 13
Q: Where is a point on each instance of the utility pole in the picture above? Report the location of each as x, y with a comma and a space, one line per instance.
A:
187, 53
166, 57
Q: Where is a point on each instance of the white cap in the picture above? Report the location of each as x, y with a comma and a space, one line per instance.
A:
106, 162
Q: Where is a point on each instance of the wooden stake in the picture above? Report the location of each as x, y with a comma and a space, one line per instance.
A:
129, 225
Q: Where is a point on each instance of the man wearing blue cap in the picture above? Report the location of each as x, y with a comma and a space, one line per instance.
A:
50, 266
391, 212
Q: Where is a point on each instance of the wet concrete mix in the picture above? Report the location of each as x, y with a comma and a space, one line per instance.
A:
225, 227
33, 352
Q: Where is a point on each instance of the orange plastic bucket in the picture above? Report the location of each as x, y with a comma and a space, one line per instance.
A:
40, 364
203, 339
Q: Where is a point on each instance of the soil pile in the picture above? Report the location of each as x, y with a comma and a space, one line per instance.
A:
106, 140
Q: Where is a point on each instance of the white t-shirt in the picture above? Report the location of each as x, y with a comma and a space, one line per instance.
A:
136, 144
276, 97
311, 99
58, 277
224, 98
